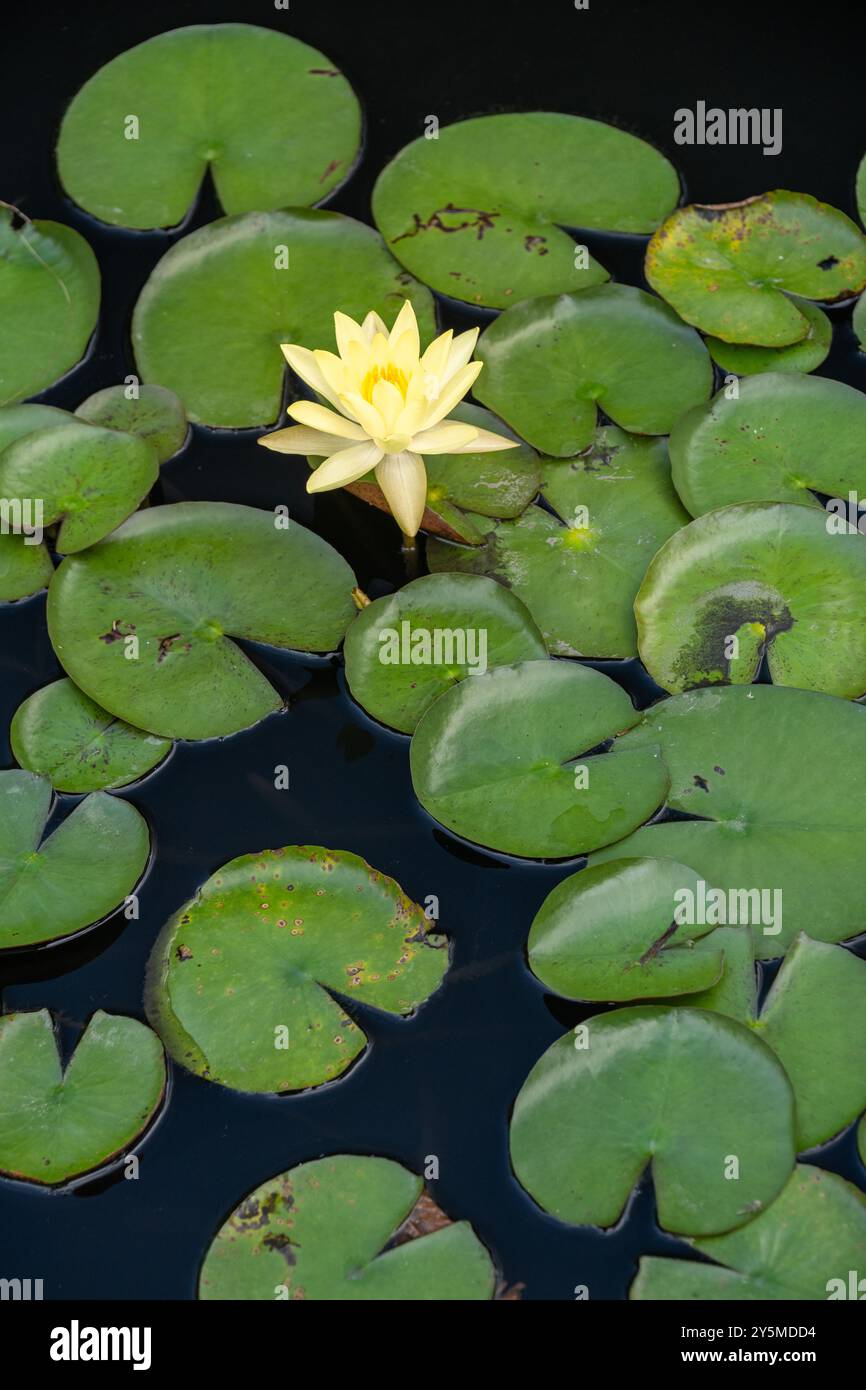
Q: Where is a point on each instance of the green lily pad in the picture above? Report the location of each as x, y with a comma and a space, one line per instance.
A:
51, 888
735, 993
24, 569
730, 269
859, 322
478, 212
779, 438
775, 778
754, 578
89, 479
861, 1140
609, 933
689, 1092
578, 569
552, 363
463, 490
49, 303
800, 1248
154, 414
209, 322
60, 733
405, 649
804, 356
345, 1229
56, 1125
271, 118
18, 420
509, 760
241, 982
172, 586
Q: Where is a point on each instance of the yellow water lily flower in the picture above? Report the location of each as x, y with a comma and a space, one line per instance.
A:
390, 404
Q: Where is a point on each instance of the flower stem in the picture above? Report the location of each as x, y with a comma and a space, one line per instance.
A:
410, 556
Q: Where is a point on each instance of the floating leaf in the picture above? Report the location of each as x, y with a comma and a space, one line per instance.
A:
778, 438
803, 1247
49, 302
51, 888
154, 414
56, 1124
510, 760
210, 320
760, 577
18, 420
405, 649
608, 933
241, 982
578, 570
804, 356
776, 780
24, 568
61, 734
88, 479
271, 118
730, 268
172, 586
861, 1140
686, 1091
735, 993
345, 1229
859, 322
551, 364
478, 212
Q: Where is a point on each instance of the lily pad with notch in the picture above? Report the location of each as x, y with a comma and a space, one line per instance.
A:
60, 733
515, 760
210, 320
244, 982
405, 649
54, 887
578, 563
56, 1124
478, 213
272, 119
731, 269
774, 784
804, 356
799, 1248
345, 1229
680, 1089
49, 304
151, 412
551, 364
173, 585
752, 579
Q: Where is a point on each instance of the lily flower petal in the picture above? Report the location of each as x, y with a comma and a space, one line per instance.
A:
347, 331
320, 418
300, 439
462, 349
486, 442
372, 325
435, 358
304, 364
346, 466
403, 479
367, 413
453, 392
406, 323
451, 438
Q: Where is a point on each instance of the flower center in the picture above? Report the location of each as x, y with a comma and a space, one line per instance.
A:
388, 373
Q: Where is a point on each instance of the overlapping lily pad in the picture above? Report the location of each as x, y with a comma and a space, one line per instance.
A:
690, 1092
512, 760
550, 364
609, 933
209, 322
802, 1247
242, 981
49, 302
25, 569
143, 622
345, 1229
88, 479
154, 414
478, 211
730, 269
53, 887
781, 438
405, 649
776, 781
804, 356
63, 735
756, 578
18, 420
56, 1125
859, 322
271, 118
578, 566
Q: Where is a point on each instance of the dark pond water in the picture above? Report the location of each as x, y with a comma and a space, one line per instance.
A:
443, 1083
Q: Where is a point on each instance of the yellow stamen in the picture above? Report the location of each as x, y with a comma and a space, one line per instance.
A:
387, 373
